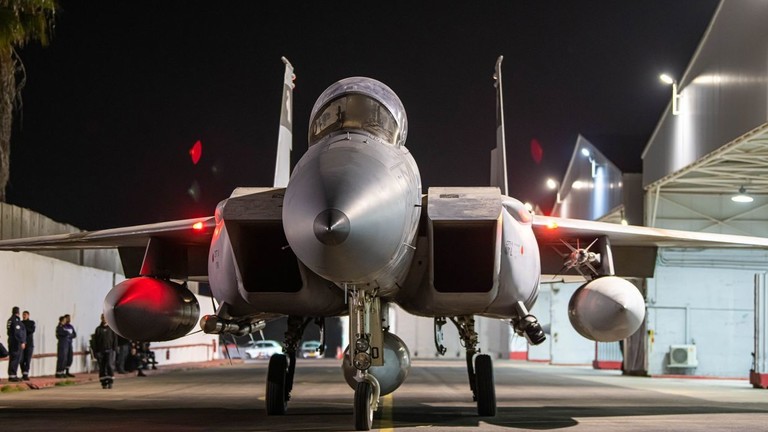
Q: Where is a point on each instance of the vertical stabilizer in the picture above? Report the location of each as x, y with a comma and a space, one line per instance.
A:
499, 154
285, 135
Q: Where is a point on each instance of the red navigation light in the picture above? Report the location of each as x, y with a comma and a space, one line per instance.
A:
537, 152
198, 226
196, 152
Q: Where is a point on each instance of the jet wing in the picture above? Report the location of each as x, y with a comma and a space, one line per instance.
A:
633, 247
177, 249
184, 232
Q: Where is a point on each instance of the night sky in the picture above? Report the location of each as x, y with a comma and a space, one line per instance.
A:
113, 105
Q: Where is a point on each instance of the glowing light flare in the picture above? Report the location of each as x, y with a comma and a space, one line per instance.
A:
198, 226
551, 225
666, 79
585, 152
551, 184
578, 184
196, 152
537, 151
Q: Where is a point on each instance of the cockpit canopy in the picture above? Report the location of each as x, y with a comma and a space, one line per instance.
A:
359, 103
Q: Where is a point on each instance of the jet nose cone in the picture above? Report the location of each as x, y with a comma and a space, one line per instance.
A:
331, 227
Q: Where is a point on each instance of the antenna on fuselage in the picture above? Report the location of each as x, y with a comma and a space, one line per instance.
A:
499, 154
285, 135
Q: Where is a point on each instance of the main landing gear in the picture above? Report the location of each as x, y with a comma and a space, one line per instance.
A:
479, 367
283, 366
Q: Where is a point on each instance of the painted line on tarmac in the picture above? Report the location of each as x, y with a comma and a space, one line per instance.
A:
387, 405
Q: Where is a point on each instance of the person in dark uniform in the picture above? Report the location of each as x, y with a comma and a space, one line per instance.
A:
26, 358
62, 347
70, 353
123, 349
17, 341
104, 346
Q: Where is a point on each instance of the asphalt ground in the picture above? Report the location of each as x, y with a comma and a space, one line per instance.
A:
435, 396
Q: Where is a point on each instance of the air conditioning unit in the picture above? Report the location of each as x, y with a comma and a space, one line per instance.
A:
682, 356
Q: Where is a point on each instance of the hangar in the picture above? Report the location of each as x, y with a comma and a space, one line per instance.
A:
705, 168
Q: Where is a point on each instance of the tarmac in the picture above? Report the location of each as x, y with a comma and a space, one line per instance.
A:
222, 397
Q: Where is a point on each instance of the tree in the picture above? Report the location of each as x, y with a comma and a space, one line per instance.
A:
21, 22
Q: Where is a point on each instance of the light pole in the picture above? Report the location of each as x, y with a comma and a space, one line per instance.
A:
586, 153
553, 184
666, 79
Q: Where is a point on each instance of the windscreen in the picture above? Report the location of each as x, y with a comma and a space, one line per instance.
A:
354, 111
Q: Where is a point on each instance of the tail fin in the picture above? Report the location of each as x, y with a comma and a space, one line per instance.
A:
499, 154
285, 135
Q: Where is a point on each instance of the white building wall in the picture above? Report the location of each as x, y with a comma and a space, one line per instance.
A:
564, 345
418, 334
691, 300
49, 288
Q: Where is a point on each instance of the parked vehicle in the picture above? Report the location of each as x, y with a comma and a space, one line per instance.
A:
310, 349
263, 349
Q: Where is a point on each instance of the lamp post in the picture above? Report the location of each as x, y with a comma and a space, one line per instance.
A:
587, 154
554, 185
666, 79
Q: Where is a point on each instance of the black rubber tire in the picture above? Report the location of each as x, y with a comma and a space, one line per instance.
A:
484, 386
362, 408
276, 401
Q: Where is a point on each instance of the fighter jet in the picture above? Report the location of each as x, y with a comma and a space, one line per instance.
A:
350, 232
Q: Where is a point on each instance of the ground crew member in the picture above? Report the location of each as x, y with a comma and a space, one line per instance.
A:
104, 347
72, 336
62, 347
26, 358
17, 341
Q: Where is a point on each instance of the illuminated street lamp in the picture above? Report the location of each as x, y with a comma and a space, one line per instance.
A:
587, 154
554, 185
666, 79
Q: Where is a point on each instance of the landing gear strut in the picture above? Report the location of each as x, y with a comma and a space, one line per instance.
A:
479, 367
366, 349
283, 366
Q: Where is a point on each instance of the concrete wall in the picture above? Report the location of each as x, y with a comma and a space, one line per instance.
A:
18, 222
49, 288
704, 297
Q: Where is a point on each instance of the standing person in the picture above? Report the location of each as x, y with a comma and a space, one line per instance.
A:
72, 336
62, 347
104, 346
17, 341
26, 359
123, 349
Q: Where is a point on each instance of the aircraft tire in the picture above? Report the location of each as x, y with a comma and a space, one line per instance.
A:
484, 385
276, 374
362, 408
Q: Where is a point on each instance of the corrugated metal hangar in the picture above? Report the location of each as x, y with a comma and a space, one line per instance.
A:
705, 168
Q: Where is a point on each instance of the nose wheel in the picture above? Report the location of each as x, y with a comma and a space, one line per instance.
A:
366, 403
